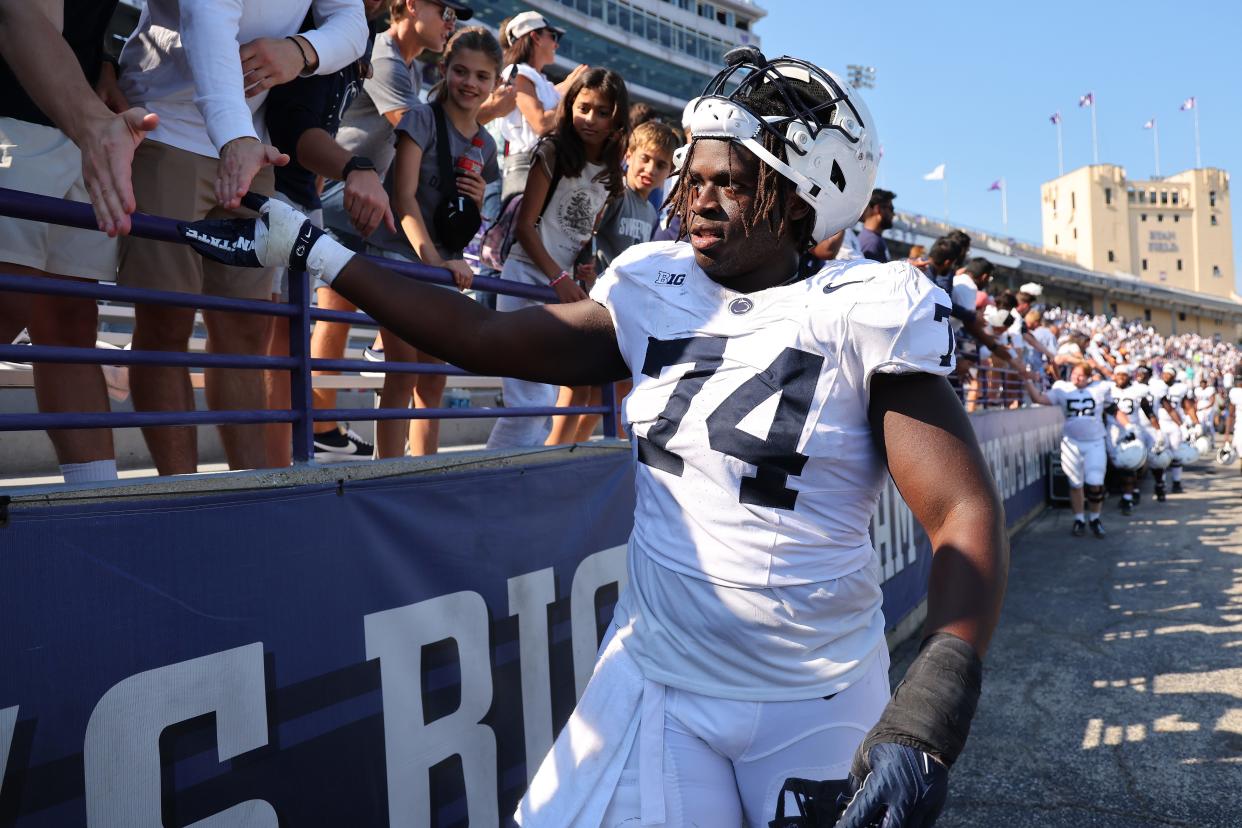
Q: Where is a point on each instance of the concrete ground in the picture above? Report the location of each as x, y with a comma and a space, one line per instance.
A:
1113, 688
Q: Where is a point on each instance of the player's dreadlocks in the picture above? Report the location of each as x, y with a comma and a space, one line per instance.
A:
772, 189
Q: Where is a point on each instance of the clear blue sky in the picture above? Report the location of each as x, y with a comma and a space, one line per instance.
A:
971, 84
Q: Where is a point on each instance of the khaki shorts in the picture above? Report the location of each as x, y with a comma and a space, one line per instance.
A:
41, 159
178, 184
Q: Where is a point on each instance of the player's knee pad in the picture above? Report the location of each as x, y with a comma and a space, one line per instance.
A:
1095, 494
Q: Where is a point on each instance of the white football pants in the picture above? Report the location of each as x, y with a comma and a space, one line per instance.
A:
725, 761
1084, 461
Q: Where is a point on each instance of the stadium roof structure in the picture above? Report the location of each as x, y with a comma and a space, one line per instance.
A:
909, 228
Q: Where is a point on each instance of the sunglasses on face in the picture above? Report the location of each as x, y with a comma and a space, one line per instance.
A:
446, 14
552, 33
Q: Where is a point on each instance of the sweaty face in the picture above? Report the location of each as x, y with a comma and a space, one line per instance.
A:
723, 178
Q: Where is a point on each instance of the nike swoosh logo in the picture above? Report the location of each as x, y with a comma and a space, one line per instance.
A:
831, 288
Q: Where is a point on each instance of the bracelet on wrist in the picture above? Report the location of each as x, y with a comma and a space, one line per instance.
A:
306, 66
564, 275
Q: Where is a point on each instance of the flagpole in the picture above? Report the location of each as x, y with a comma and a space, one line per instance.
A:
1005, 205
1195, 111
945, 179
1155, 134
1095, 142
1060, 151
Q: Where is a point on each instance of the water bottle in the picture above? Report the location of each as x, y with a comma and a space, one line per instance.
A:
472, 160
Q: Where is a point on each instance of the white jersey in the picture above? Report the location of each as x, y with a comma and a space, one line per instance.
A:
1083, 408
1175, 393
1235, 399
1205, 399
1130, 402
757, 476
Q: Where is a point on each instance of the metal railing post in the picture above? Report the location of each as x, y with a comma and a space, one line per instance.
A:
608, 397
300, 398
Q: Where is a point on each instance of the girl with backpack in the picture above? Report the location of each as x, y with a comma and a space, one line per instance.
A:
437, 194
576, 168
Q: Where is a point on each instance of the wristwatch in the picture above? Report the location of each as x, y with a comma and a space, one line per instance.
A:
358, 162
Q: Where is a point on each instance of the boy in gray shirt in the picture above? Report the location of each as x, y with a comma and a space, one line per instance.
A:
631, 219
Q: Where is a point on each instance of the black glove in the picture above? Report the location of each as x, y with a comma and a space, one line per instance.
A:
901, 768
905, 788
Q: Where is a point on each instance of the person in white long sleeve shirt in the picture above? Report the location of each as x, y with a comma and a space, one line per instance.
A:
205, 66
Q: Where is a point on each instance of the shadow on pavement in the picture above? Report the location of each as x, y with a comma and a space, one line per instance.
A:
1113, 688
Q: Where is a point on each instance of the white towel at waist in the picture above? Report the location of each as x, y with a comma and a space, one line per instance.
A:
577, 779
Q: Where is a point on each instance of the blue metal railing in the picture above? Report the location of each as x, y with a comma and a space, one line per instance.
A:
299, 363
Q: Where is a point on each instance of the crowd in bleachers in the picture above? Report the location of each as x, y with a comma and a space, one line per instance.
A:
413, 136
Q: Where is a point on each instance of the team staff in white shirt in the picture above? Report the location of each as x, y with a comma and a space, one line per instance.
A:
1084, 455
752, 592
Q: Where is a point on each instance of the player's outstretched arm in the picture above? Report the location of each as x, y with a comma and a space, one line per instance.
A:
564, 344
569, 344
902, 765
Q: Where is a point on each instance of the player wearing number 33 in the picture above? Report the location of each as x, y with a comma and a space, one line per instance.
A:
744, 679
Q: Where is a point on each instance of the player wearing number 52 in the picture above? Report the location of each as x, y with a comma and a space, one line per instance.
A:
749, 646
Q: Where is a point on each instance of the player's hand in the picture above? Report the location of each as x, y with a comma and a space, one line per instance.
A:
1002, 352
266, 241
271, 61
367, 203
107, 147
240, 161
463, 276
567, 290
906, 788
471, 185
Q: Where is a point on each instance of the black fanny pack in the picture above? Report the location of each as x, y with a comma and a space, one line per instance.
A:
457, 218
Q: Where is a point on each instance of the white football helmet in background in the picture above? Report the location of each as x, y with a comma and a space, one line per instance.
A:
830, 146
1226, 455
1160, 458
1186, 453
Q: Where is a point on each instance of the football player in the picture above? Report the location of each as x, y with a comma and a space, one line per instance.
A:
1084, 455
1205, 405
1232, 434
1131, 400
747, 654
1168, 398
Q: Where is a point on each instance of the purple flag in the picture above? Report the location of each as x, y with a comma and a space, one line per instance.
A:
1087, 99
1055, 118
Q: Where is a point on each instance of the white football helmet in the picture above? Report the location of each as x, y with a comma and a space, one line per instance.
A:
1186, 453
1129, 451
830, 146
1203, 445
1226, 455
1159, 458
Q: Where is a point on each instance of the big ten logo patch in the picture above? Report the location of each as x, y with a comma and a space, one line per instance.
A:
670, 278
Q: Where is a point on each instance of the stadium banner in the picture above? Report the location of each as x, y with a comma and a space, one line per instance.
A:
393, 651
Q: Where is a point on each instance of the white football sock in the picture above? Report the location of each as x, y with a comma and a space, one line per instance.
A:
94, 471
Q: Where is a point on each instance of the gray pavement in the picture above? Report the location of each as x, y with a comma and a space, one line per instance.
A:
1113, 688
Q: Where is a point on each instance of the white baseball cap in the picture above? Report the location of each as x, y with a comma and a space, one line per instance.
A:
526, 22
